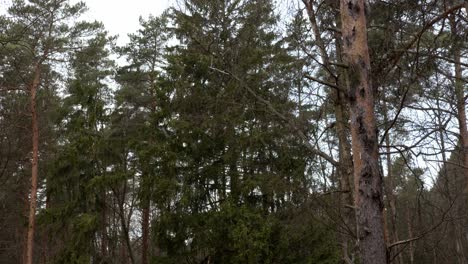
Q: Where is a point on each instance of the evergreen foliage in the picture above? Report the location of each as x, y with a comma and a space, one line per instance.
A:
222, 134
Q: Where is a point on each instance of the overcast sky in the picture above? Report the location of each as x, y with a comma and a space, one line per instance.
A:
119, 16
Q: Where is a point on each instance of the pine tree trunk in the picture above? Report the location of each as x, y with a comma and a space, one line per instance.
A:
34, 166
463, 130
391, 186
125, 230
104, 244
46, 239
461, 106
345, 170
410, 234
145, 238
367, 176
346, 160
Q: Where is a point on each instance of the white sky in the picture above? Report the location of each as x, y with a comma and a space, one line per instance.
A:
120, 17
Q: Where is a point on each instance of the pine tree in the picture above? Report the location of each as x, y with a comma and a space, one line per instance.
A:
42, 32
142, 96
367, 175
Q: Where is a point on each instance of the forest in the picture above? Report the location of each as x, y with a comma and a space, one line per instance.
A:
235, 131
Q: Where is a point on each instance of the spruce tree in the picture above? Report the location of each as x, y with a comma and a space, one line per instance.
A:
76, 182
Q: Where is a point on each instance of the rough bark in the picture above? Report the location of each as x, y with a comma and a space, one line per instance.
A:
34, 165
367, 177
345, 172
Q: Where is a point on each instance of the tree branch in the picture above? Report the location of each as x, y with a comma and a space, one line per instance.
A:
289, 121
418, 35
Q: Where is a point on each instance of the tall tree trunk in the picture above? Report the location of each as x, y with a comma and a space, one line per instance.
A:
104, 244
410, 234
124, 224
125, 234
460, 97
346, 159
46, 239
345, 169
391, 186
345, 172
459, 242
463, 130
34, 165
145, 230
367, 177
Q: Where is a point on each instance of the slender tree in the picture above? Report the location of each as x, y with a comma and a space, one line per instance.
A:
44, 34
144, 55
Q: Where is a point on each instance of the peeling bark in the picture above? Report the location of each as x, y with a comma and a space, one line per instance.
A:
367, 176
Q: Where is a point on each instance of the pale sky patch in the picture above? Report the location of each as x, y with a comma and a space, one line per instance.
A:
121, 17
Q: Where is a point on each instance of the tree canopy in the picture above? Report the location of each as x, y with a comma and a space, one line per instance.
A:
235, 131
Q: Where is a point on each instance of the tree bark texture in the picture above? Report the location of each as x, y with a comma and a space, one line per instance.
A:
367, 177
34, 165
346, 159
